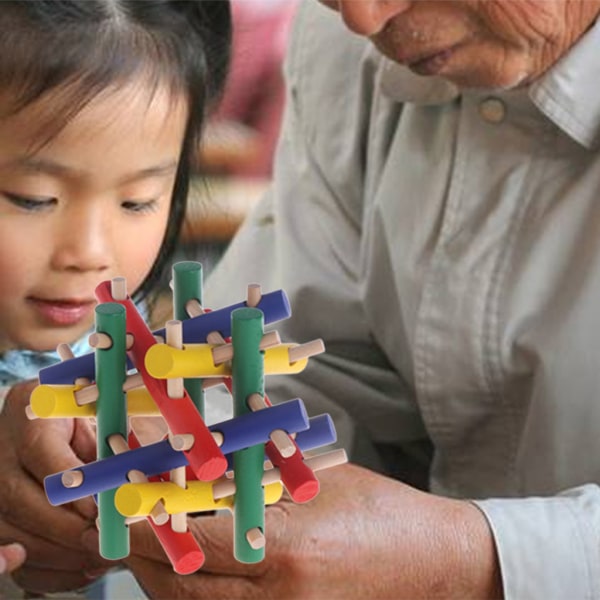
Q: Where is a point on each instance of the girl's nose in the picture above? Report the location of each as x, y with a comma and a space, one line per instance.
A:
83, 244
368, 17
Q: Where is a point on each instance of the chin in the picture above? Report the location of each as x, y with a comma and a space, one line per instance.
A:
489, 81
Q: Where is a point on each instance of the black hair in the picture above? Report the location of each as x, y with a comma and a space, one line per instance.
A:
81, 47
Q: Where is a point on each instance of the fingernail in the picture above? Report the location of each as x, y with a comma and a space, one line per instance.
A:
3, 564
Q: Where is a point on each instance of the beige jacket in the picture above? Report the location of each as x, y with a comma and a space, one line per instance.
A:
446, 247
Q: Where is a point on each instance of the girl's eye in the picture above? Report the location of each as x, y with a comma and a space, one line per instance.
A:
28, 202
137, 206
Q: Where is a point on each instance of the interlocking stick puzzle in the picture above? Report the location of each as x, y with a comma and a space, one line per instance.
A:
140, 485
275, 307
160, 457
111, 418
205, 458
247, 366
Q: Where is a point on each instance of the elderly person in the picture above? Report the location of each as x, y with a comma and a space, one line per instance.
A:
434, 217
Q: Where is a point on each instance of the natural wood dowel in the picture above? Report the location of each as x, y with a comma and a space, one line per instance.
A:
255, 538
89, 394
182, 441
253, 294
179, 520
174, 333
129, 341
269, 340
117, 443
218, 437
29, 413
307, 350
214, 337
327, 460
72, 479
256, 402
118, 288
159, 339
101, 341
64, 352
134, 520
193, 308
282, 442
224, 353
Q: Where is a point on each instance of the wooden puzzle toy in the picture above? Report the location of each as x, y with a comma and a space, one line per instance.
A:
240, 465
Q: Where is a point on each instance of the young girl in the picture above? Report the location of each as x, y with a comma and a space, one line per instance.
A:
101, 105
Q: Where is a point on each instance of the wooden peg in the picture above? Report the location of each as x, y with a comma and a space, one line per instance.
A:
282, 442
255, 538
179, 520
306, 350
174, 333
100, 341
129, 341
256, 402
224, 352
214, 337
182, 442
89, 394
64, 352
118, 288
193, 308
72, 479
253, 295
218, 437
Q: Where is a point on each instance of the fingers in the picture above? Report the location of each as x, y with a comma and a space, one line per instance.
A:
46, 581
12, 556
158, 580
24, 506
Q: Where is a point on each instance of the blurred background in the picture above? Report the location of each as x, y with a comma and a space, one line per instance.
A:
235, 160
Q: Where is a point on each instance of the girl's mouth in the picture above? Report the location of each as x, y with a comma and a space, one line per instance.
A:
63, 312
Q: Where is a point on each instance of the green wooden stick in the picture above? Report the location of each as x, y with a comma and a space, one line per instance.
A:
111, 417
248, 378
187, 285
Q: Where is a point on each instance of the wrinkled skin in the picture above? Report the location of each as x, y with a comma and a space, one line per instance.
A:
488, 43
52, 535
363, 536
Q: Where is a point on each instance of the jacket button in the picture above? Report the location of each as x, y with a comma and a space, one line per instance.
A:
492, 110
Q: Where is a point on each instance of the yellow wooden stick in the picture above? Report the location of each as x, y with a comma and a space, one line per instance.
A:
138, 499
196, 360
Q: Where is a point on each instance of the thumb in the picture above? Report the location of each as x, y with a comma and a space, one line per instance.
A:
12, 556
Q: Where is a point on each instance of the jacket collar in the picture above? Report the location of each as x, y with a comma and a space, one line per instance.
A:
567, 93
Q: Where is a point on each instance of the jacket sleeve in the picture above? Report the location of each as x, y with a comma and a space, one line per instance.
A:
305, 236
548, 547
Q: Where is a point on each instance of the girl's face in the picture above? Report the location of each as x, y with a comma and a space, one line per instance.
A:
91, 204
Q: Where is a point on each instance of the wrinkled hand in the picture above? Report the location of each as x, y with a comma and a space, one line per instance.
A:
363, 536
30, 450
